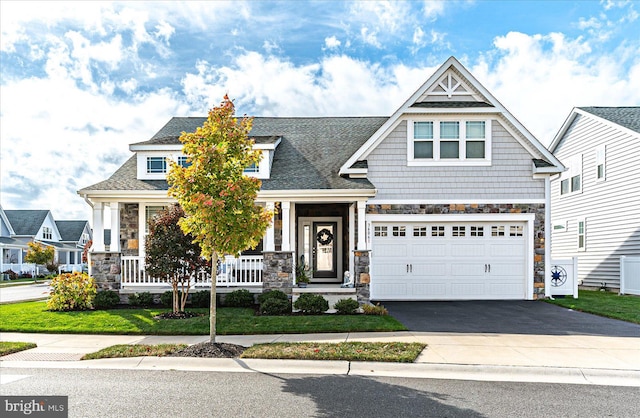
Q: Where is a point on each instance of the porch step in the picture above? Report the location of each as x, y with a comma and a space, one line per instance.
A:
331, 293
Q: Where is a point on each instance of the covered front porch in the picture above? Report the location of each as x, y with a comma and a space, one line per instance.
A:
323, 234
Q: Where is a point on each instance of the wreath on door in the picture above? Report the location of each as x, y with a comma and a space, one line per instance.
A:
324, 236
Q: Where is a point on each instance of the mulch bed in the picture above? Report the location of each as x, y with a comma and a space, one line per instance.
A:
210, 350
177, 315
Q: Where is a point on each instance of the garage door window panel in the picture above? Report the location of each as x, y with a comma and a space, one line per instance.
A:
380, 231
437, 231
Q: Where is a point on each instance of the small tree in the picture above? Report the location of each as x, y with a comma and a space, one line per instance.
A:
39, 254
172, 255
218, 199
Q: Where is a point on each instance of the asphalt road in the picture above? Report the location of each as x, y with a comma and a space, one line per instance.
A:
127, 393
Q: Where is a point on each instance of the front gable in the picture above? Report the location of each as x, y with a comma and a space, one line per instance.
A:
448, 122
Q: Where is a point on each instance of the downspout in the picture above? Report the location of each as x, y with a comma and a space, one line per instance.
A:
547, 237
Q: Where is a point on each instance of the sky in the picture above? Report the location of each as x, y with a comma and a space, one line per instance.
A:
80, 81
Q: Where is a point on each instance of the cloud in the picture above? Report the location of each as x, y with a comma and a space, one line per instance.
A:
540, 78
331, 42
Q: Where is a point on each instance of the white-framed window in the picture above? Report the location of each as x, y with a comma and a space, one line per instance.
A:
559, 226
156, 165
582, 234
84, 239
449, 141
437, 231
47, 233
458, 231
419, 231
399, 231
515, 230
150, 212
476, 231
183, 161
571, 180
601, 163
380, 231
497, 231
253, 168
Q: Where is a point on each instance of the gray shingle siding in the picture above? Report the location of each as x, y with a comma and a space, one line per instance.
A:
509, 176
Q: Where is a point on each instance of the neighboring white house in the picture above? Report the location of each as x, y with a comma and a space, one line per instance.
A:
596, 202
446, 199
19, 227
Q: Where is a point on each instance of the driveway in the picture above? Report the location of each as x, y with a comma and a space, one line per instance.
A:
505, 317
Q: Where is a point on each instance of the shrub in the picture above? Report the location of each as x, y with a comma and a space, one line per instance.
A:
26, 276
106, 299
275, 306
143, 299
72, 292
346, 306
201, 299
240, 298
272, 294
166, 299
374, 310
311, 304
12, 274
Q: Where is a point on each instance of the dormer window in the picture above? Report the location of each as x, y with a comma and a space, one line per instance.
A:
253, 168
156, 165
446, 142
182, 162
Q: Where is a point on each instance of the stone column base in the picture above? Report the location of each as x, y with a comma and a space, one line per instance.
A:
277, 273
105, 268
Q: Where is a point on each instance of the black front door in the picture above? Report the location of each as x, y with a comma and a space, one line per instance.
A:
325, 257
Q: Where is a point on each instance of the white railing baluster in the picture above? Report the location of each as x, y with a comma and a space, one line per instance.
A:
243, 271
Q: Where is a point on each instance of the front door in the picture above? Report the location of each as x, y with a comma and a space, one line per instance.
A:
324, 250
320, 246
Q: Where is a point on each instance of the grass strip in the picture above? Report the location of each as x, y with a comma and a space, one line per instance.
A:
607, 304
134, 350
347, 351
34, 317
9, 347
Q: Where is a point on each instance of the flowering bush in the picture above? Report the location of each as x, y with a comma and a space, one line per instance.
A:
72, 292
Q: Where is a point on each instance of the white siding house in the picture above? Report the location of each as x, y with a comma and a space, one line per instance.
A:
596, 202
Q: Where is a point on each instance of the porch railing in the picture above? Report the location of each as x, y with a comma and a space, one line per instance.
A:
19, 268
232, 272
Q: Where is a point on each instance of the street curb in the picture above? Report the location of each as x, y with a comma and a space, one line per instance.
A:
583, 376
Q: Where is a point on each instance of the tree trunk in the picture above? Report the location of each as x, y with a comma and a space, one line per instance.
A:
212, 306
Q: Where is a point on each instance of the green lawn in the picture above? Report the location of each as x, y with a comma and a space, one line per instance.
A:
8, 347
34, 317
611, 305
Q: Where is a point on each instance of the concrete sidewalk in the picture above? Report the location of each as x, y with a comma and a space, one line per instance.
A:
578, 359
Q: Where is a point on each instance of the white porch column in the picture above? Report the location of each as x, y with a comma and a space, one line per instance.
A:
286, 221
361, 225
269, 239
115, 227
98, 227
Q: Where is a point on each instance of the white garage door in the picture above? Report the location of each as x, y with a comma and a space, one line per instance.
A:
448, 261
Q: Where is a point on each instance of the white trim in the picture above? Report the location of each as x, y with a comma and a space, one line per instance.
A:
582, 220
286, 227
352, 238
325, 195
155, 147
601, 159
310, 220
547, 237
